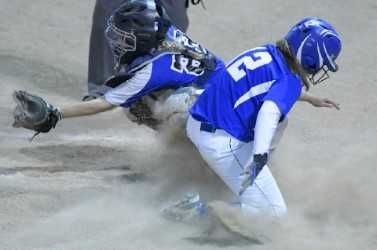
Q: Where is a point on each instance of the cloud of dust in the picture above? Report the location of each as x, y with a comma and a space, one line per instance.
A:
327, 207
330, 206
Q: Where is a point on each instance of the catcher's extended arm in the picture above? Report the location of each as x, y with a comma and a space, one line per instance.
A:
34, 113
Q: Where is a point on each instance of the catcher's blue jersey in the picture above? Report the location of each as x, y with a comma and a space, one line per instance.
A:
164, 70
235, 95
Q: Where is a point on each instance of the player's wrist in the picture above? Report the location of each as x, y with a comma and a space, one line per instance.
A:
260, 160
58, 113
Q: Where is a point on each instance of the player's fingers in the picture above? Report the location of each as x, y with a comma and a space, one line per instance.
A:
331, 104
325, 105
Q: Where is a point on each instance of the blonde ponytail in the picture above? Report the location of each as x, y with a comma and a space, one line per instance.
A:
293, 63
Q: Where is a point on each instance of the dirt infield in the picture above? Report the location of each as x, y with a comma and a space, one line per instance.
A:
101, 182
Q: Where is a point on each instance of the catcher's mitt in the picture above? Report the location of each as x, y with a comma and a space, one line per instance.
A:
160, 106
143, 114
34, 113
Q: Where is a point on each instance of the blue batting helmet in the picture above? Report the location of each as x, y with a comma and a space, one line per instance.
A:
315, 44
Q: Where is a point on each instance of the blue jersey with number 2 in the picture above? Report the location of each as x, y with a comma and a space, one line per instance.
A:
234, 96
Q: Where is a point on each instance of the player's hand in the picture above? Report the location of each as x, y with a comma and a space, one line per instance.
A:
34, 113
323, 103
251, 172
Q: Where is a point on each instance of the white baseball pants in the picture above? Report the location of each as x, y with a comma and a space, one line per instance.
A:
227, 157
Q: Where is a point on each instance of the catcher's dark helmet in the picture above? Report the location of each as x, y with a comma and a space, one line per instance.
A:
136, 27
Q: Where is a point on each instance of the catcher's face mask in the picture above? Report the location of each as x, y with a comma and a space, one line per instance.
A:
120, 41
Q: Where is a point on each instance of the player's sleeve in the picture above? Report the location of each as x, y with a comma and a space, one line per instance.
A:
284, 93
265, 127
276, 104
131, 90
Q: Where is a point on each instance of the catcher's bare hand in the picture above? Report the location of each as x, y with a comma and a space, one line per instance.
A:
34, 113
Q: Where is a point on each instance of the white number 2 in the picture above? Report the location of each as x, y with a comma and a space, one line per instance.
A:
259, 59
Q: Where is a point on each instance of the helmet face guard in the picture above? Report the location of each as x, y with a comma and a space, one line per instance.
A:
120, 41
320, 76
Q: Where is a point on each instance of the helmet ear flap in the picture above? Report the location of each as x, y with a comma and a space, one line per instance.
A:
309, 63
